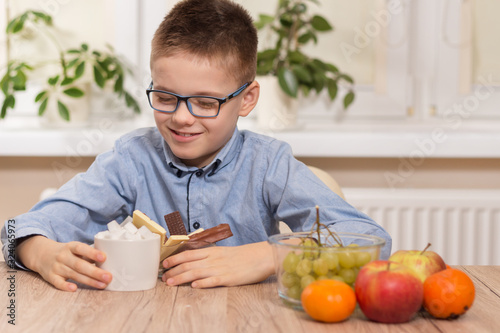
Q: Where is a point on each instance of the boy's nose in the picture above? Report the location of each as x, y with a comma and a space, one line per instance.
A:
182, 114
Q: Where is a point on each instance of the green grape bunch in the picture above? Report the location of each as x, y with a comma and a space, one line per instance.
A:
317, 258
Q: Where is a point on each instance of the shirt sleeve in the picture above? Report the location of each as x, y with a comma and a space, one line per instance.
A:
293, 191
84, 205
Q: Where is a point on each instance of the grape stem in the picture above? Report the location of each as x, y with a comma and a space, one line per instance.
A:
318, 225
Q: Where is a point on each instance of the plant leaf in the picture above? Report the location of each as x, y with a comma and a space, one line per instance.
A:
263, 21
4, 84
265, 67
305, 90
131, 102
19, 25
302, 73
74, 92
318, 81
288, 82
332, 68
296, 57
332, 89
46, 18
80, 69
304, 38
319, 23
19, 81
286, 20
40, 95
348, 99
98, 77
53, 80
43, 106
9, 102
72, 63
346, 77
118, 88
269, 54
66, 81
63, 110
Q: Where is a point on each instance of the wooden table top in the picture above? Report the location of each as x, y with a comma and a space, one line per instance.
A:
254, 308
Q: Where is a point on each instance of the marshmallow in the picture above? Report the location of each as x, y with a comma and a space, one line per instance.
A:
126, 231
145, 232
113, 226
103, 234
129, 227
117, 234
127, 220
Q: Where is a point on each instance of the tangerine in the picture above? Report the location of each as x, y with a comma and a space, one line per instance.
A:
328, 300
448, 294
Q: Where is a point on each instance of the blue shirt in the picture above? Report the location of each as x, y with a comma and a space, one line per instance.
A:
253, 183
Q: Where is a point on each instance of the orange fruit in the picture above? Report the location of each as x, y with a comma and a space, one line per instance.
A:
328, 300
448, 294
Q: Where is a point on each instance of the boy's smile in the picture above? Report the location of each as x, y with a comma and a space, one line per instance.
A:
195, 140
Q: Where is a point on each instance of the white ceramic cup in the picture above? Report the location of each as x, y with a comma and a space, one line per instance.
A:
133, 263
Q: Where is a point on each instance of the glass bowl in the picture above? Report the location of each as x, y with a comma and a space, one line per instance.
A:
298, 263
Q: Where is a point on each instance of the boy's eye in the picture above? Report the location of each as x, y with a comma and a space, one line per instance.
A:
166, 99
205, 103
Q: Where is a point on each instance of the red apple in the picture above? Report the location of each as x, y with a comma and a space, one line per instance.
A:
424, 263
388, 292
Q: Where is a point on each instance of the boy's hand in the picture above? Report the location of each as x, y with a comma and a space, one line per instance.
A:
220, 266
58, 262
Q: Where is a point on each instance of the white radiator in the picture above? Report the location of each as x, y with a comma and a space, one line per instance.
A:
462, 225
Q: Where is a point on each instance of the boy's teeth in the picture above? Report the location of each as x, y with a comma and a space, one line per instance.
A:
183, 134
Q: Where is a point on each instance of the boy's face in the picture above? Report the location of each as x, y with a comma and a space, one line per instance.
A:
194, 140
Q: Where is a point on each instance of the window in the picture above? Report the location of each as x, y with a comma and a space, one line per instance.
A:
411, 59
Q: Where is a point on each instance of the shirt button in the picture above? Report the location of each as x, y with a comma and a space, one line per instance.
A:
199, 173
196, 225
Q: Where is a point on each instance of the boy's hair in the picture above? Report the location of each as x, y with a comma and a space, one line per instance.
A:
219, 30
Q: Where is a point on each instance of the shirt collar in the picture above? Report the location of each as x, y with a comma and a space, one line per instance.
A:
223, 158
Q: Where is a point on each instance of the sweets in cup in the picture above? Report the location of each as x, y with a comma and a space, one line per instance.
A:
132, 256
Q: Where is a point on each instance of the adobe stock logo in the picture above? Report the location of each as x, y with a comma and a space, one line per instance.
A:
372, 29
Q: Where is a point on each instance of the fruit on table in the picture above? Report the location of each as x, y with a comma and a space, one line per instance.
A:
314, 263
388, 292
448, 294
328, 300
424, 263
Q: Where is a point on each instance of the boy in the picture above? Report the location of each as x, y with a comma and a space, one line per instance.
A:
194, 161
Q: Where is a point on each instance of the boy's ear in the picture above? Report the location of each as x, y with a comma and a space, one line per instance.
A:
250, 98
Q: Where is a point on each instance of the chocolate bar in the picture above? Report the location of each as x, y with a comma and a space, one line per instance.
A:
212, 235
175, 224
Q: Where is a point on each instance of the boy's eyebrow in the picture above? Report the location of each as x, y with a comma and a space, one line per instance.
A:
200, 93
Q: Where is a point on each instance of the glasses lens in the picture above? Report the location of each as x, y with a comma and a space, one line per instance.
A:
204, 106
163, 101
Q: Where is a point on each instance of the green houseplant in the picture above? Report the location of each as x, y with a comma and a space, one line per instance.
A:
294, 27
71, 65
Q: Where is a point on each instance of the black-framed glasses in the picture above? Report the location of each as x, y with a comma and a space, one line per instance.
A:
198, 106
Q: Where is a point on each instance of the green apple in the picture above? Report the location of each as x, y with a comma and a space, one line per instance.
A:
424, 263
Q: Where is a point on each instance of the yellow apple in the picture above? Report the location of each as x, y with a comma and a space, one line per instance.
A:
424, 263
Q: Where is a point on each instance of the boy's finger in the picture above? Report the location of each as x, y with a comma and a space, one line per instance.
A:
60, 283
86, 280
84, 268
184, 257
84, 250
